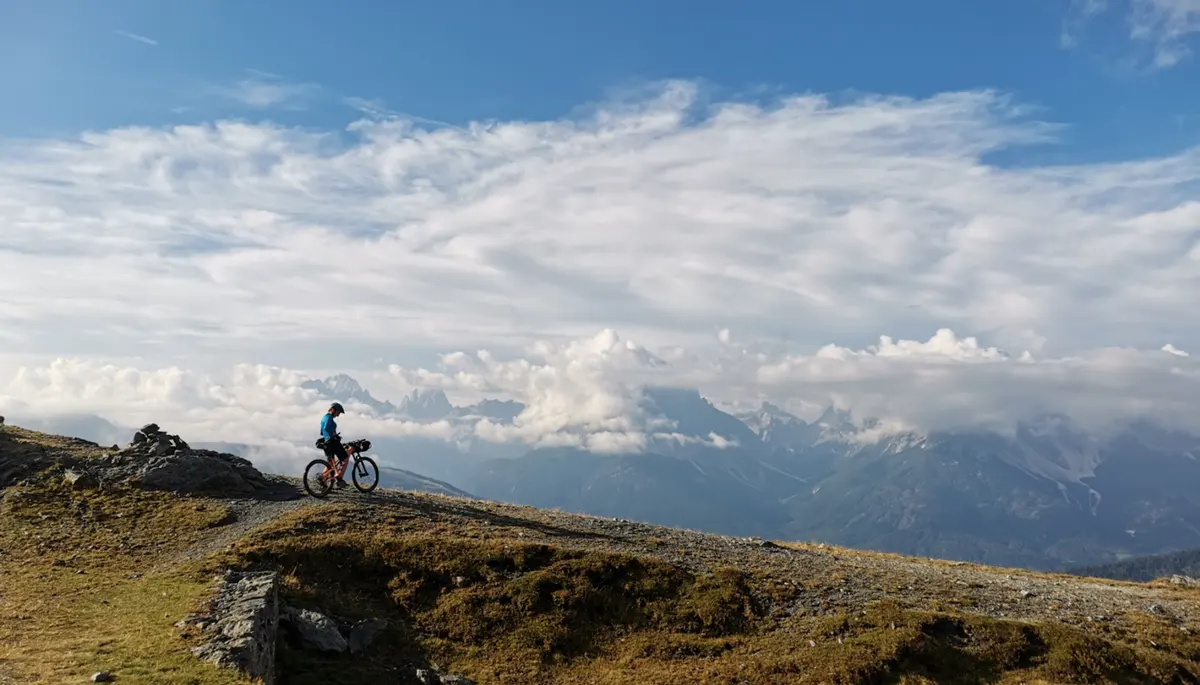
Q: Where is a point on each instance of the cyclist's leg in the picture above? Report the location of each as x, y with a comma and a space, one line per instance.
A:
343, 460
336, 454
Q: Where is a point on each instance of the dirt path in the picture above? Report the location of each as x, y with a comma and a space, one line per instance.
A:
245, 515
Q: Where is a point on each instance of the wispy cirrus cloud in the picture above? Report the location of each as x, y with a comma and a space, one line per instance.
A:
263, 90
1166, 27
135, 36
1169, 25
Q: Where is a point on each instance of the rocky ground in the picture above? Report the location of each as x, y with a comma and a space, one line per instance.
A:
799, 582
153, 460
157, 460
839, 579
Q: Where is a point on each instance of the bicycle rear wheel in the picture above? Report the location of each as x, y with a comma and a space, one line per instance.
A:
365, 474
315, 482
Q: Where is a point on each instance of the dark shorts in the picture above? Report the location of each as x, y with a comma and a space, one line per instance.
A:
334, 449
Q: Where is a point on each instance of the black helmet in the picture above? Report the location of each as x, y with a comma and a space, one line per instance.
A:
337, 407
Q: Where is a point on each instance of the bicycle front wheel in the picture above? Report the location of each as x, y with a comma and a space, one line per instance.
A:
318, 478
365, 474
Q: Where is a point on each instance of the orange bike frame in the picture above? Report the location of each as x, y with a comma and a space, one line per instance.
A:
338, 470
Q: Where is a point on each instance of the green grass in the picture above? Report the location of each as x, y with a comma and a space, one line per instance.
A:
505, 610
78, 595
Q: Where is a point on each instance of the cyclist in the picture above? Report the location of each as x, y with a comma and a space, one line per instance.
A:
333, 441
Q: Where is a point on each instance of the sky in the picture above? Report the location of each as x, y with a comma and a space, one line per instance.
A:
934, 212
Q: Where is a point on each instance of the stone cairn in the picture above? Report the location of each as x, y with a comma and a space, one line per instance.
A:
152, 441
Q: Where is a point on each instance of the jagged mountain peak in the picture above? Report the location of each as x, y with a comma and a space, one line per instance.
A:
690, 413
343, 384
428, 405
344, 388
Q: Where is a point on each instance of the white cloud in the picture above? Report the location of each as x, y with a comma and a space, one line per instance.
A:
1168, 24
1165, 26
135, 36
586, 393
266, 90
582, 393
947, 383
782, 227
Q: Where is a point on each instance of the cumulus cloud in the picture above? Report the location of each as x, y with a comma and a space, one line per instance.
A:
799, 220
585, 393
588, 393
949, 383
753, 249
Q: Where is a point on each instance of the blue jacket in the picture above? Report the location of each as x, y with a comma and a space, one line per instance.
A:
328, 427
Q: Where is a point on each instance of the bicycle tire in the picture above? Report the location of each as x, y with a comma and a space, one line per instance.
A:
362, 465
322, 487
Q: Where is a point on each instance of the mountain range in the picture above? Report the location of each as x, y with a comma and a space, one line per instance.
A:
1047, 495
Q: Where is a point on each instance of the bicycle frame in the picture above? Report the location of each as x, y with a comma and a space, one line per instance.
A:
338, 469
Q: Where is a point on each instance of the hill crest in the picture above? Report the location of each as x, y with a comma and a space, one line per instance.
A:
497, 592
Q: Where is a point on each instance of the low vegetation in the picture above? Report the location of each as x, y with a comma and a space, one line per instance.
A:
500, 609
80, 590
95, 580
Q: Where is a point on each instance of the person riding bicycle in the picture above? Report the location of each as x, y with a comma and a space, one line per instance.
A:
333, 440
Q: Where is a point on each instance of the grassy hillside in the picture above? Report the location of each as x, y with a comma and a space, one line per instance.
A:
96, 580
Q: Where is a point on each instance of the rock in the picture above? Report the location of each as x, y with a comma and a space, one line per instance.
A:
428, 677
162, 447
201, 471
1, 420
157, 460
317, 631
1186, 581
244, 624
102, 677
194, 620
363, 633
80, 480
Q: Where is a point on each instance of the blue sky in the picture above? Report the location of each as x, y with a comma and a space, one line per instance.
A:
938, 213
73, 65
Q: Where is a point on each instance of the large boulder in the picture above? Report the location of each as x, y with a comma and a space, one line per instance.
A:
315, 630
200, 471
158, 460
243, 624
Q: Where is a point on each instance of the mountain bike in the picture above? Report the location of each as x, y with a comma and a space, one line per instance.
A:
321, 474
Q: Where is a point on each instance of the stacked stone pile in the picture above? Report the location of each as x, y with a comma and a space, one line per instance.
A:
153, 441
157, 460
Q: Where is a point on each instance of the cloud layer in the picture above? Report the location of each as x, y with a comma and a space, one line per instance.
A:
731, 240
587, 393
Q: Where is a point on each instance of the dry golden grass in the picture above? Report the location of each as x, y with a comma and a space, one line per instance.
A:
501, 609
77, 596
517, 595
